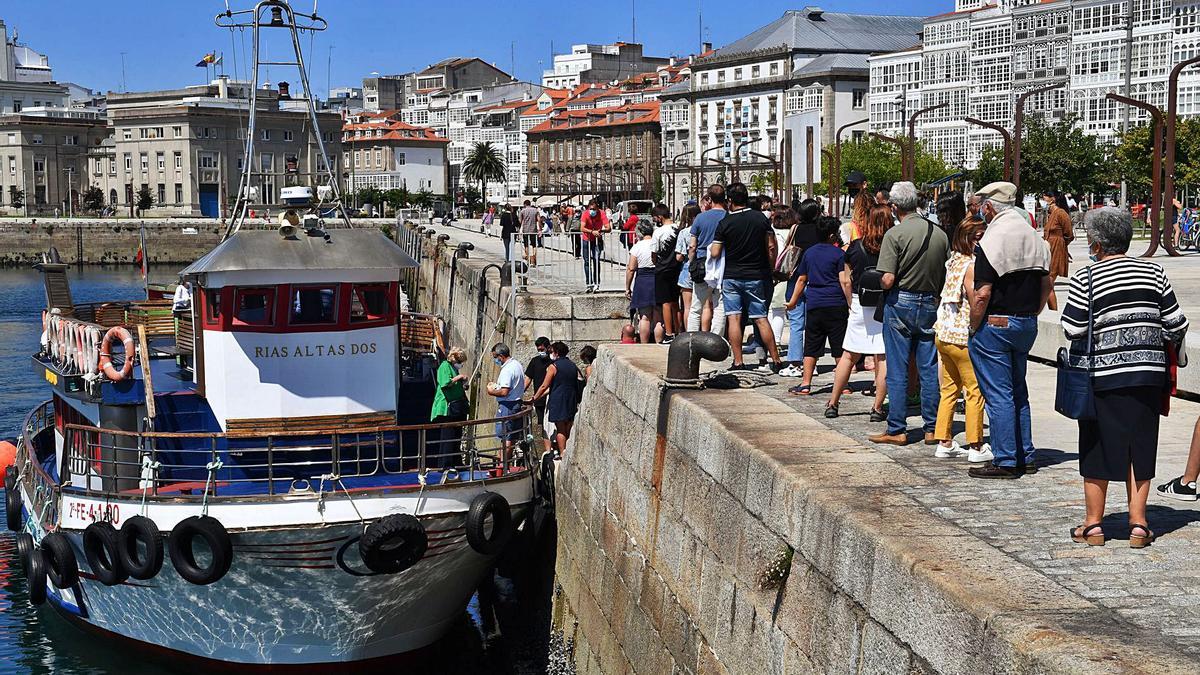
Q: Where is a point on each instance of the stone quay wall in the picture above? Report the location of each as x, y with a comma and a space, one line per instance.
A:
109, 240
709, 531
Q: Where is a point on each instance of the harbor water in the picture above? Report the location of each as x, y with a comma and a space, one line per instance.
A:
502, 631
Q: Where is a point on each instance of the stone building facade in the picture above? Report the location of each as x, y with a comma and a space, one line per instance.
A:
45, 158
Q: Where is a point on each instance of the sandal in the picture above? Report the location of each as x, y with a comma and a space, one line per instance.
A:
831, 412
1138, 540
1083, 535
801, 390
868, 392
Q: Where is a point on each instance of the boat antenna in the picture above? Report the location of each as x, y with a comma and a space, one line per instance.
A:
279, 14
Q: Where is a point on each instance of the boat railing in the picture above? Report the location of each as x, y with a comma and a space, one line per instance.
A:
193, 465
42, 488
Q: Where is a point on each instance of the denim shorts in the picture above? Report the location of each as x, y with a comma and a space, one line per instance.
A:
749, 295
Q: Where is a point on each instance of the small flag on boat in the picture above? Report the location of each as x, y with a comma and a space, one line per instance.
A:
208, 59
140, 258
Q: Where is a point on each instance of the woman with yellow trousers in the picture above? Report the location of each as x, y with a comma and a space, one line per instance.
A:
951, 332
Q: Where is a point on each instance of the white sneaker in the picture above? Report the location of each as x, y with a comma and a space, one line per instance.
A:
983, 454
954, 450
791, 371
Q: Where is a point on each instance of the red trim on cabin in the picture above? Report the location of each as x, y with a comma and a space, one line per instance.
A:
219, 306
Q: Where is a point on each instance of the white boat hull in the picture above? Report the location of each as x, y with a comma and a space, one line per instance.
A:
296, 595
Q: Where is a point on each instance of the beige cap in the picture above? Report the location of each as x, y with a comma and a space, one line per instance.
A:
1001, 191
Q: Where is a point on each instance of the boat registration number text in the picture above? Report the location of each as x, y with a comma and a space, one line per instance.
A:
91, 511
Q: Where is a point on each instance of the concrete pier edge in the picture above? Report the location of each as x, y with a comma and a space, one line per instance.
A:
667, 543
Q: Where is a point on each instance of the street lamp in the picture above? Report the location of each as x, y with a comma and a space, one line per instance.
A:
737, 156
673, 167
1155, 174
1019, 128
1007, 142
70, 171
911, 170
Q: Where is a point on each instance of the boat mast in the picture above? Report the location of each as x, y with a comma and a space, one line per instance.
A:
281, 16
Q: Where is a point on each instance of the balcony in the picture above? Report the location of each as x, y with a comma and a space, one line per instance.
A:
752, 82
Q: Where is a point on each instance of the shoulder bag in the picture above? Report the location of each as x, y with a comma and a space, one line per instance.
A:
789, 257
1074, 397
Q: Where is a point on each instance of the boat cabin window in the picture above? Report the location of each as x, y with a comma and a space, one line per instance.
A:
212, 305
313, 305
370, 302
254, 307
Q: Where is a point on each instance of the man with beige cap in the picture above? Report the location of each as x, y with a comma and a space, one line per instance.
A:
1012, 285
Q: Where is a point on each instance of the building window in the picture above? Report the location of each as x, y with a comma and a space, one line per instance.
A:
287, 134
774, 69
737, 73
179, 193
36, 139
178, 161
266, 134
70, 140
254, 307
161, 158
127, 134
112, 166
128, 162
39, 165
755, 71
370, 302
379, 158
162, 193
16, 106
178, 131
703, 79
356, 159
859, 99
720, 76
12, 166
144, 162
533, 152
400, 159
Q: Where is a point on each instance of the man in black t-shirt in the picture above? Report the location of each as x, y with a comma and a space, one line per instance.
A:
1012, 284
745, 239
535, 374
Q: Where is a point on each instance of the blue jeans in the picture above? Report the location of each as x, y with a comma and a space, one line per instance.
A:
795, 317
591, 262
907, 328
745, 295
999, 356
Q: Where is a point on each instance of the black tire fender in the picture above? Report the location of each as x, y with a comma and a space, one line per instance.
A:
62, 568
393, 543
102, 550
184, 558
25, 546
12, 508
144, 530
10, 477
37, 576
482, 506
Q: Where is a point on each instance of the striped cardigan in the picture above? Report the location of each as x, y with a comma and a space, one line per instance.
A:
1135, 313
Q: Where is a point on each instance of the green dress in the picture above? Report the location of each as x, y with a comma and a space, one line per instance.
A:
445, 391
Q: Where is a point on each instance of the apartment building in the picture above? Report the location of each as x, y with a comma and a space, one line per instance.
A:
187, 147
382, 151
44, 157
599, 64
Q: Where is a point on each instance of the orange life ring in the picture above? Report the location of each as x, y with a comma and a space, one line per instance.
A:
106, 354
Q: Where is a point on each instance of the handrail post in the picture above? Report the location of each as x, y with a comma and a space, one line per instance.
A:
212, 441
336, 453
420, 452
270, 465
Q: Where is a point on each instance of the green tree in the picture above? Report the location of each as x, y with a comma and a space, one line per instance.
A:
472, 197
370, 195
990, 168
1060, 156
145, 198
397, 198
759, 183
422, 199
660, 191
16, 196
1132, 157
482, 164
879, 161
93, 199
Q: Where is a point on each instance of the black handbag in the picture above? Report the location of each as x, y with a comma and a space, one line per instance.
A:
879, 302
1074, 397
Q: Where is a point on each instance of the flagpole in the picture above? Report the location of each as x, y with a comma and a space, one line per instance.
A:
145, 258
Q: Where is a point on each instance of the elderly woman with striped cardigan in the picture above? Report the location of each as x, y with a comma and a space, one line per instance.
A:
1134, 315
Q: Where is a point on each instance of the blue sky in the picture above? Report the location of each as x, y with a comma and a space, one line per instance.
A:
162, 40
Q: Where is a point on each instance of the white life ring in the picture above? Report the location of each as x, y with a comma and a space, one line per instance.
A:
106, 365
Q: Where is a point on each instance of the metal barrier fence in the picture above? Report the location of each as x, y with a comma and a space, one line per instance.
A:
569, 262
189, 465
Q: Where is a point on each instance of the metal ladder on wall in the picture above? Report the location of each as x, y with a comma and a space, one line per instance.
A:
281, 15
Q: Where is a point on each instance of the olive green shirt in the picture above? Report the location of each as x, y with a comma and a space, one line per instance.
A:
900, 247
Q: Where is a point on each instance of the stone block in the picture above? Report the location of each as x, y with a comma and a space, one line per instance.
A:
722, 535
596, 331
732, 464
716, 603
544, 307
806, 595
837, 636
668, 548
760, 483
882, 653
599, 306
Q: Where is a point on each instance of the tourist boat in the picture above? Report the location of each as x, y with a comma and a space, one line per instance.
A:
243, 474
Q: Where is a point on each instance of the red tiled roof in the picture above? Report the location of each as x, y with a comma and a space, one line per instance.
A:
964, 11
642, 113
393, 131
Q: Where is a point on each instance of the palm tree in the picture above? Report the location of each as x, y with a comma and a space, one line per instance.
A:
483, 163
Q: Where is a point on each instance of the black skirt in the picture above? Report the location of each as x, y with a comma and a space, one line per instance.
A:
1124, 432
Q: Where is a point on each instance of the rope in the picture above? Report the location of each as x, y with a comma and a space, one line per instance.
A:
149, 470
336, 478
212, 470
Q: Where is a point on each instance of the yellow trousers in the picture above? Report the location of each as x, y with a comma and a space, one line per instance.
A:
958, 375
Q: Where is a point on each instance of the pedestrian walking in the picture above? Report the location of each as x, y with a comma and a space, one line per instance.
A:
803, 238
450, 404
1059, 234
1011, 288
592, 224
508, 389
562, 389
508, 227
864, 334
912, 261
682, 243
530, 219
640, 281
1123, 316
745, 240
707, 311
823, 278
666, 271
951, 335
